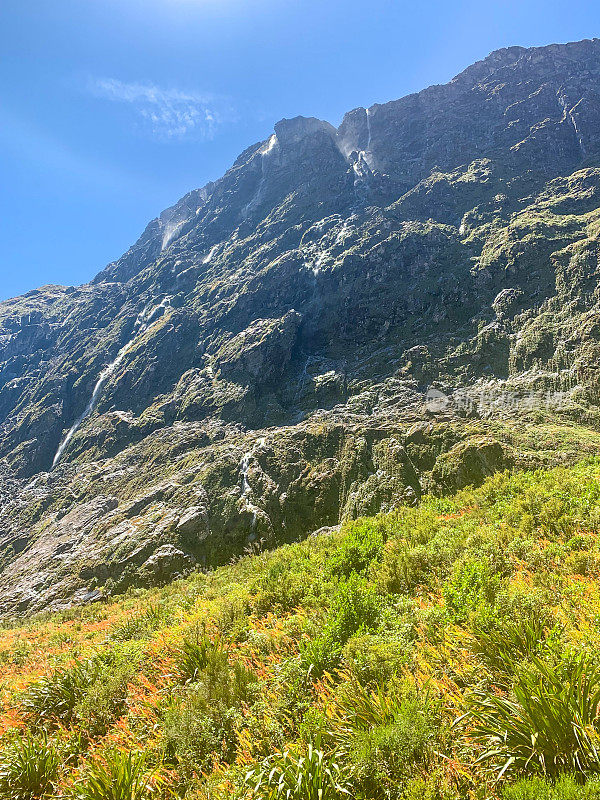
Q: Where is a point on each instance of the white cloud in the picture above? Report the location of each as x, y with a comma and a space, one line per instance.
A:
167, 113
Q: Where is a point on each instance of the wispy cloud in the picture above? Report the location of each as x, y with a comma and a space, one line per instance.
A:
168, 114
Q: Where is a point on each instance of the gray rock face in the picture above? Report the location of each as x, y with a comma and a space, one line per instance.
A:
167, 563
306, 299
262, 352
194, 522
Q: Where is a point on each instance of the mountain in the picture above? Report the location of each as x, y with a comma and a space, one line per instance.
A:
255, 367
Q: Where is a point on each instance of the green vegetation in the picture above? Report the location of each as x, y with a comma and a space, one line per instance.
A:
29, 768
447, 651
91, 693
549, 723
312, 776
120, 777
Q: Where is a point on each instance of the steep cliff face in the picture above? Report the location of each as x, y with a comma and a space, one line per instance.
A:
312, 294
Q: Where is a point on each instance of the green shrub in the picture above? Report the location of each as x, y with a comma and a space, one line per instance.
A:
311, 776
294, 689
472, 586
91, 693
120, 776
388, 732
374, 659
362, 544
231, 615
106, 698
384, 757
281, 589
434, 786
29, 768
197, 654
54, 698
200, 660
555, 502
201, 722
548, 725
403, 568
581, 562
242, 685
355, 608
566, 787
196, 732
266, 722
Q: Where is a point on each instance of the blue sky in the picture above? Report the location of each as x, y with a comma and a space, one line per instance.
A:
110, 110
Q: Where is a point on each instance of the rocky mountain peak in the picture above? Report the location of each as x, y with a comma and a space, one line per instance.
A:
290, 132
545, 58
262, 353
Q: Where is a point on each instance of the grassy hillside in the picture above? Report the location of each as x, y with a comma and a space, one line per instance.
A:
440, 652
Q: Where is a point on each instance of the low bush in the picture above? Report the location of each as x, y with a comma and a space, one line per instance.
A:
281, 589
307, 776
355, 608
375, 659
54, 698
389, 732
119, 776
384, 757
404, 568
357, 708
232, 615
548, 724
106, 699
91, 693
197, 654
433, 786
29, 768
567, 787
196, 733
200, 723
362, 544
472, 587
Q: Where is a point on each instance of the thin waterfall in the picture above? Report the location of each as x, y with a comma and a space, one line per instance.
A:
264, 152
246, 488
363, 165
144, 320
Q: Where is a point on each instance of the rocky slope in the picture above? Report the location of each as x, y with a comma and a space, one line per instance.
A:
255, 366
